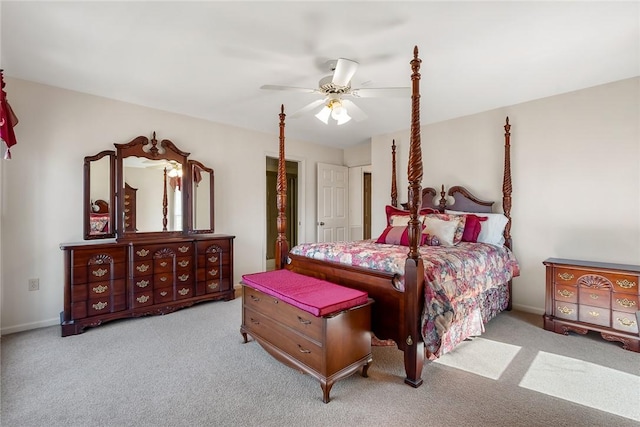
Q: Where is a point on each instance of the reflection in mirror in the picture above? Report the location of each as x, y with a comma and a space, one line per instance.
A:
202, 220
99, 199
153, 195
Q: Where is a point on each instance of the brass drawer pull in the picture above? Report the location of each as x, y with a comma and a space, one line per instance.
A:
212, 258
565, 293
183, 277
303, 350
213, 286
183, 291
163, 293
254, 321
100, 289
304, 321
565, 276
626, 302
183, 263
213, 272
594, 314
102, 305
163, 264
625, 284
142, 298
142, 283
99, 272
565, 310
183, 249
142, 268
626, 322
254, 298
163, 279
593, 296
142, 252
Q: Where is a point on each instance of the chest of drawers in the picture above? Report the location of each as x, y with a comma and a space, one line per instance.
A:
328, 348
602, 297
107, 281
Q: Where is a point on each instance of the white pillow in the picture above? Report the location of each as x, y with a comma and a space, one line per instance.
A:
491, 230
443, 230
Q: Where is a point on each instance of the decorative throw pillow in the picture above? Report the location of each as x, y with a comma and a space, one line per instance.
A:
399, 217
472, 227
446, 228
492, 230
458, 220
398, 235
430, 240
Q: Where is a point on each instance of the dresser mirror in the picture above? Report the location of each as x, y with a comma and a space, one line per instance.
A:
99, 195
201, 213
147, 188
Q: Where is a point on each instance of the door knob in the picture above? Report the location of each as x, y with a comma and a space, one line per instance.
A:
321, 223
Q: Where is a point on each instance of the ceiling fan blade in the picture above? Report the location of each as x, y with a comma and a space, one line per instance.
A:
289, 88
354, 111
382, 92
307, 108
345, 69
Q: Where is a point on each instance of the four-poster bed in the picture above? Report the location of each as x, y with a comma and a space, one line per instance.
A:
459, 299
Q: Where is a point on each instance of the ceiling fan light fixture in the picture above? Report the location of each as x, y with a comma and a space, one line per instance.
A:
343, 118
324, 114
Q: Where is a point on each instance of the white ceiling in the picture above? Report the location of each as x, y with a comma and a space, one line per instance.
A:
209, 59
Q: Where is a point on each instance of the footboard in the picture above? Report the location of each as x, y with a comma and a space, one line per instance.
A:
389, 313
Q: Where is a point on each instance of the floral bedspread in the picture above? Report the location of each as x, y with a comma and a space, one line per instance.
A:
462, 283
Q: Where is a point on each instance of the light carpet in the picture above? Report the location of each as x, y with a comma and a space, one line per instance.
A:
585, 383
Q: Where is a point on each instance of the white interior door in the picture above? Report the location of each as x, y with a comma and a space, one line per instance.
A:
333, 199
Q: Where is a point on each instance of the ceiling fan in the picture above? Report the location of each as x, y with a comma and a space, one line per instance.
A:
335, 88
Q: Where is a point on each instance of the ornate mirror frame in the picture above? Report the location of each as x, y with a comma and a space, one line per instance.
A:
200, 190
99, 224
151, 149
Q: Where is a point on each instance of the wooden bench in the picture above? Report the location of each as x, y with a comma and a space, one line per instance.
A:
309, 324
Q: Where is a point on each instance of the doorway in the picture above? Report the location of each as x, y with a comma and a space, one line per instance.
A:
366, 205
291, 212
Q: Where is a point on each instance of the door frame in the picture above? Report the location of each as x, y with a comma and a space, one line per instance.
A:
301, 201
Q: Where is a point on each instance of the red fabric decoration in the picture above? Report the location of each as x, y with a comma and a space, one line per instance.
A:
472, 228
391, 211
7, 120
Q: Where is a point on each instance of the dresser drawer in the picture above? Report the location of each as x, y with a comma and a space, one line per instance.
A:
142, 299
142, 283
151, 251
303, 322
142, 268
566, 276
98, 256
184, 291
625, 302
214, 272
97, 290
595, 315
306, 351
217, 245
625, 322
625, 284
566, 293
163, 280
565, 310
106, 305
217, 285
98, 272
162, 295
595, 297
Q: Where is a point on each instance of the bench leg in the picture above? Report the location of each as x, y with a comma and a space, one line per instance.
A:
326, 389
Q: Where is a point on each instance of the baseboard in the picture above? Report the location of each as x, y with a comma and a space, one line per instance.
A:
28, 326
528, 309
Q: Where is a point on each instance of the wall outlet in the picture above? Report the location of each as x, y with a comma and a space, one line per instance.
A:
34, 284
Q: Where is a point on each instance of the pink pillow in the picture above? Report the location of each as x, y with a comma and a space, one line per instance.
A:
472, 228
393, 211
398, 236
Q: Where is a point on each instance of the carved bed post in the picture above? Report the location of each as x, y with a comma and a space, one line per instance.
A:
394, 188
164, 202
414, 267
282, 247
506, 183
506, 198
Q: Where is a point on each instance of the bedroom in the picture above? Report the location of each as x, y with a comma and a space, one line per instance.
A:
560, 146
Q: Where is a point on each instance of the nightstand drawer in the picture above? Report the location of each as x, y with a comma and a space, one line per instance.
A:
625, 302
566, 293
595, 297
567, 311
595, 315
625, 322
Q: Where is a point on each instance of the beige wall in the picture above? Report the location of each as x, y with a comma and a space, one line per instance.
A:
575, 163
42, 185
575, 168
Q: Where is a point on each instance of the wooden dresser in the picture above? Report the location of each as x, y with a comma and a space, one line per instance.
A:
328, 348
602, 297
115, 280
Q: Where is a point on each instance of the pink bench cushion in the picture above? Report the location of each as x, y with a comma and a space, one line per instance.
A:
315, 296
